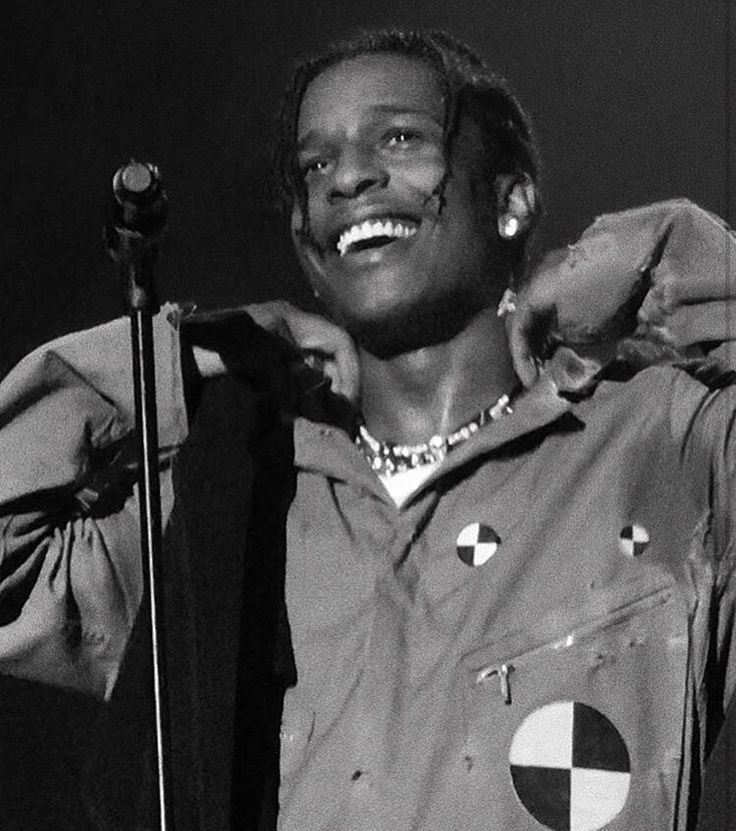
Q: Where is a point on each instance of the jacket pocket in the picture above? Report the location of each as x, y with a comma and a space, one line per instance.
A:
576, 722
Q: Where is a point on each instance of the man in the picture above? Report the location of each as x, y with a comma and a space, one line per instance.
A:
506, 608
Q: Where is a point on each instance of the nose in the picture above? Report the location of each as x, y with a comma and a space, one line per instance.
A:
357, 170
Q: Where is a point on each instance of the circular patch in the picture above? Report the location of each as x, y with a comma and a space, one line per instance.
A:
570, 767
477, 543
633, 540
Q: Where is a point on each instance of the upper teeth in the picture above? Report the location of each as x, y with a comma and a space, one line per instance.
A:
372, 228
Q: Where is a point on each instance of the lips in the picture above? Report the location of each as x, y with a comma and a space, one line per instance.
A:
369, 227
374, 232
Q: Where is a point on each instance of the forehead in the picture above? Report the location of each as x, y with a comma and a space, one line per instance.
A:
356, 88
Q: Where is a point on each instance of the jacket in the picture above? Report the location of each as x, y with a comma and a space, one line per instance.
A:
641, 589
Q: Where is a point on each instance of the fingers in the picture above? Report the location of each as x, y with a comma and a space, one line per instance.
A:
517, 328
332, 344
272, 316
531, 330
311, 333
209, 362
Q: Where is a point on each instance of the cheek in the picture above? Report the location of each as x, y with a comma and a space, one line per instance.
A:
303, 240
418, 179
308, 263
469, 205
313, 197
304, 253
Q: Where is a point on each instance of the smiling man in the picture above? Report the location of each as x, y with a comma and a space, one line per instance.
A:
414, 195
509, 605
509, 639
398, 271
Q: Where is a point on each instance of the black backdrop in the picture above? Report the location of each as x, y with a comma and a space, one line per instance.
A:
631, 102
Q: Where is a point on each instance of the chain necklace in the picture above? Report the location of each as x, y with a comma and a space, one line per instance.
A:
388, 458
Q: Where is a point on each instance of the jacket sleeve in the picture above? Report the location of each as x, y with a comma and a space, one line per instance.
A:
703, 423
648, 285
70, 573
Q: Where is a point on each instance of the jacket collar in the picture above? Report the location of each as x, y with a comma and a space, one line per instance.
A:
330, 451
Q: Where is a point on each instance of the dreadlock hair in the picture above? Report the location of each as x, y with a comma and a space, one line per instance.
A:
469, 88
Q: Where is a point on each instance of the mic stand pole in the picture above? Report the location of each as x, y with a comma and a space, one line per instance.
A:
135, 251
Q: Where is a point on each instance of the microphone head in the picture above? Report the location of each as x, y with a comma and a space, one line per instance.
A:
139, 199
135, 179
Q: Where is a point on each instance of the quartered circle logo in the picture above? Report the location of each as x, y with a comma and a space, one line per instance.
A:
633, 540
570, 767
477, 543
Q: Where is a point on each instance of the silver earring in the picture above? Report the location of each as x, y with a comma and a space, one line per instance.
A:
507, 305
510, 228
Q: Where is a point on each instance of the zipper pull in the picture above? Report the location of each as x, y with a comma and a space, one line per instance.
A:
503, 672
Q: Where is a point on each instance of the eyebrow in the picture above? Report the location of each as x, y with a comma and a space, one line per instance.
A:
395, 109
389, 109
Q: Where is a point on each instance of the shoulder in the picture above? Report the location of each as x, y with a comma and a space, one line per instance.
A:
647, 396
663, 399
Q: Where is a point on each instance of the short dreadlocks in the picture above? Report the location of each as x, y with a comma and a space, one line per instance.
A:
468, 86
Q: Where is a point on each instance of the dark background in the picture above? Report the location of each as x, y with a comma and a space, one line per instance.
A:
631, 101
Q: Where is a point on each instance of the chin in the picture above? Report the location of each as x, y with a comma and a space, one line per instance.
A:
416, 326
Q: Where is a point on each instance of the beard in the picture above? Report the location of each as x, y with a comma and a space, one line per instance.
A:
424, 323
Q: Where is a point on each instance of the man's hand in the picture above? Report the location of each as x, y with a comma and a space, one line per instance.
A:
323, 345
653, 283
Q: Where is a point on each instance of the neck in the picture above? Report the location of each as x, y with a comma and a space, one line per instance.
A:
433, 390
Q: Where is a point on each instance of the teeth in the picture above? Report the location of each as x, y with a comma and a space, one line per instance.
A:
369, 229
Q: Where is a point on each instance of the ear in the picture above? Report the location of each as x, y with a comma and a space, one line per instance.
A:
516, 202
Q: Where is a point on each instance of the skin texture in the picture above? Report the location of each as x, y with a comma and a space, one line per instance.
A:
422, 310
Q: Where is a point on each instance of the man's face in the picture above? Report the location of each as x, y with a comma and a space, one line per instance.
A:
394, 268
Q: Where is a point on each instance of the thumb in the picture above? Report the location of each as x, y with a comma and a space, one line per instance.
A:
518, 325
532, 332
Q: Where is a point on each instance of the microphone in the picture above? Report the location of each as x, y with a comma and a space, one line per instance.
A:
136, 219
139, 203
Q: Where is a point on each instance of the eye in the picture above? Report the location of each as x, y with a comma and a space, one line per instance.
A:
401, 136
312, 166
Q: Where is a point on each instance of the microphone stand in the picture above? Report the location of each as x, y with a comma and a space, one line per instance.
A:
132, 234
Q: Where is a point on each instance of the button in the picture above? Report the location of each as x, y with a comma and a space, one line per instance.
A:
633, 540
477, 543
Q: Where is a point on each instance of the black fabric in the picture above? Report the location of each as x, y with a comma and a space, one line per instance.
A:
269, 361
44, 737
265, 662
228, 655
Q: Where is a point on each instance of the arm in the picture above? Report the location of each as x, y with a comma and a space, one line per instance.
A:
647, 285
70, 582
226, 340
703, 425
69, 540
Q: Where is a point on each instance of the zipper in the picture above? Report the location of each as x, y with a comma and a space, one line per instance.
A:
503, 670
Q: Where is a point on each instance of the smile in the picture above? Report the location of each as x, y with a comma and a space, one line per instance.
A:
373, 233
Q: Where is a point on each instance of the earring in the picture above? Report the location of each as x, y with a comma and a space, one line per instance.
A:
510, 228
507, 305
